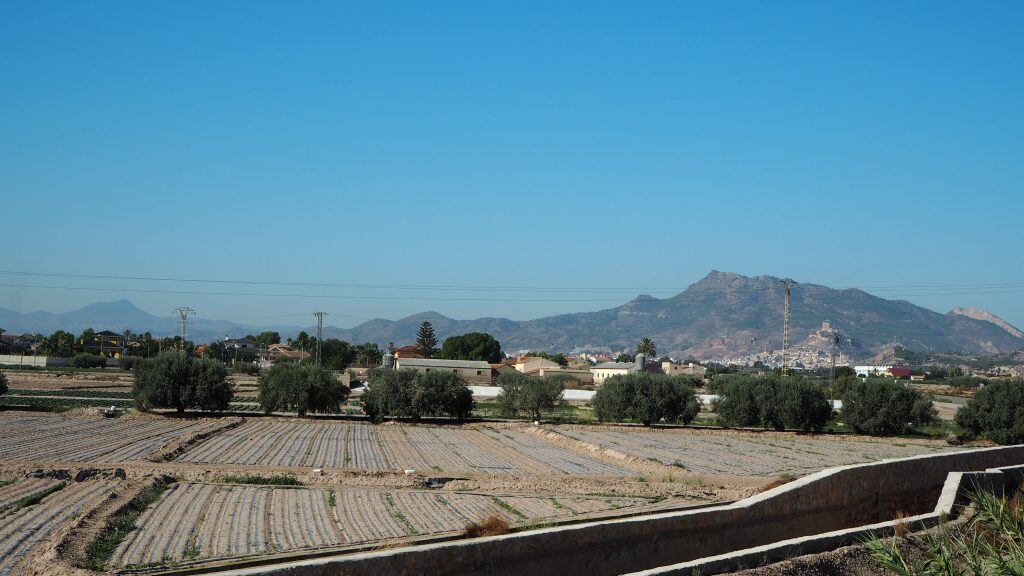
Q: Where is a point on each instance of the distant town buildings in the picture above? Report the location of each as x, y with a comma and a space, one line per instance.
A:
884, 371
688, 369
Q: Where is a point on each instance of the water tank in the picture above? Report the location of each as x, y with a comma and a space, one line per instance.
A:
389, 360
641, 362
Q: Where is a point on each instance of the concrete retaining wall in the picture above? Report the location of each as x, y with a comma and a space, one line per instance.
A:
831, 500
956, 492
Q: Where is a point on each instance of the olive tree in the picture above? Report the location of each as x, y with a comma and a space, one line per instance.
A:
885, 407
175, 380
411, 394
772, 402
996, 412
522, 393
646, 398
441, 394
301, 388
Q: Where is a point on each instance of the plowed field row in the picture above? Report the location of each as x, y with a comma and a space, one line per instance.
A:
212, 521
24, 529
748, 454
87, 439
358, 446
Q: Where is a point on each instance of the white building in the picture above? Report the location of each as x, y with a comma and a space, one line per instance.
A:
606, 370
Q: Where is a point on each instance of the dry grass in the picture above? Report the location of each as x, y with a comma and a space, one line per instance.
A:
493, 525
779, 481
901, 528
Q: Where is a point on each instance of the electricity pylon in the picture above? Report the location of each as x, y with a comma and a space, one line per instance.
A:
183, 312
785, 331
319, 333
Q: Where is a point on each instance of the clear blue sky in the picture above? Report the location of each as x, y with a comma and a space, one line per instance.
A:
631, 145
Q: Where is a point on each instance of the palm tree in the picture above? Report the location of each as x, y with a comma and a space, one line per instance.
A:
646, 346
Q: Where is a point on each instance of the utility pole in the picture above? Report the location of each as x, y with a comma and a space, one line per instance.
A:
319, 333
785, 331
832, 370
183, 312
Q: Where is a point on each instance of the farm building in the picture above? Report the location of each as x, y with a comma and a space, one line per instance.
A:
471, 370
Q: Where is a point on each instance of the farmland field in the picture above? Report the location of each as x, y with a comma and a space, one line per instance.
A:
23, 529
61, 439
245, 487
202, 521
358, 446
744, 454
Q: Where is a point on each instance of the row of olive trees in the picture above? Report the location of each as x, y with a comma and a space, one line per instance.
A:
178, 381
878, 407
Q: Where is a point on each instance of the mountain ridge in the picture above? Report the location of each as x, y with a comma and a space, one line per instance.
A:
722, 314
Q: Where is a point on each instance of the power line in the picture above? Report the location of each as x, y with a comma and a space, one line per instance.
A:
320, 296
446, 287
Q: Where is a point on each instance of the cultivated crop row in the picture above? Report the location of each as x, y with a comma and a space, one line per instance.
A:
743, 454
23, 529
11, 493
66, 439
359, 446
206, 521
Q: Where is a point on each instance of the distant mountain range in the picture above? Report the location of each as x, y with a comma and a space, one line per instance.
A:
722, 314
726, 314
118, 316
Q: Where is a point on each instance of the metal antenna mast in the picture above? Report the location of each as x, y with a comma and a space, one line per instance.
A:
785, 331
319, 333
183, 312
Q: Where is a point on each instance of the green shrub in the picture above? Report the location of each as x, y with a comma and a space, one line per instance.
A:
276, 480
967, 382
389, 393
3, 384
996, 412
86, 360
131, 362
302, 389
884, 407
411, 394
522, 393
248, 368
646, 398
175, 380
